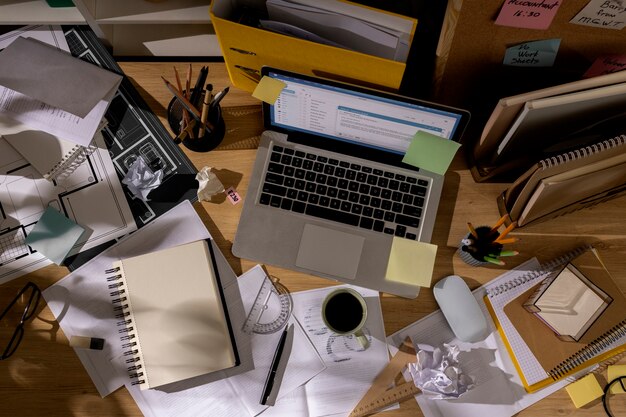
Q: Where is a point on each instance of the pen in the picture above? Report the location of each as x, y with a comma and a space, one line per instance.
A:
218, 97
205, 110
197, 89
269, 381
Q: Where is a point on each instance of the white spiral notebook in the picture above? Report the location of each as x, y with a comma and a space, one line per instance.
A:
174, 319
53, 157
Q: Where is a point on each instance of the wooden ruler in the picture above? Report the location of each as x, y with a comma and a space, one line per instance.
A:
380, 395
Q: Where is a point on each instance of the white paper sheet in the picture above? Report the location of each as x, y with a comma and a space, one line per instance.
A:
499, 391
82, 304
350, 370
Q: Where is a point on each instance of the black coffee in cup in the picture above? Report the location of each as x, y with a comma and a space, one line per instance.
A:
343, 312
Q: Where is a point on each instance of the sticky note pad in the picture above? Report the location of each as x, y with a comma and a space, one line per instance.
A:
411, 262
605, 14
606, 65
268, 89
615, 371
584, 390
54, 235
430, 152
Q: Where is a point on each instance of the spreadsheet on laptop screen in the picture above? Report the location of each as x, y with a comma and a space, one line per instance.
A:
356, 116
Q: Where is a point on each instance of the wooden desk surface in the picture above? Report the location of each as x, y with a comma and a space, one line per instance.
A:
45, 377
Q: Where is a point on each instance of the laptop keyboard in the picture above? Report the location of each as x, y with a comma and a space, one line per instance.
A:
345, 192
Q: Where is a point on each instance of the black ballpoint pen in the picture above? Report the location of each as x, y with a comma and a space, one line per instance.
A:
271, 376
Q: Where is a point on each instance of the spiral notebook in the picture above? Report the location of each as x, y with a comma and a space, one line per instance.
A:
539, 356
54, 158
567, 182
174, 317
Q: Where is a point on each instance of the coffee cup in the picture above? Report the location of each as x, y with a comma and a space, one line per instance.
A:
344, 312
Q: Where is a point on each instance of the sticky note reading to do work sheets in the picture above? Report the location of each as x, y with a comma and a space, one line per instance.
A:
532, 54
430, 152
411, 262
268, 89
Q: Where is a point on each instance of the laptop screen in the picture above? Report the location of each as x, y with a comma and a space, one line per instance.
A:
358, 115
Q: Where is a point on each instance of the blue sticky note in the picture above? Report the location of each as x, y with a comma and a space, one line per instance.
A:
54, 235
533, 54
430, 152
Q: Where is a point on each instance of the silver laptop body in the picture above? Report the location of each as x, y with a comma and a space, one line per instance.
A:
315, 200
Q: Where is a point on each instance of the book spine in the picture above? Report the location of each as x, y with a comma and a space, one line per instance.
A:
70, 162
594, 348
128, 336
583, 152
548, 267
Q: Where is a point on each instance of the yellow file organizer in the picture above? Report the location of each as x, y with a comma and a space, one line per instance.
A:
246, 49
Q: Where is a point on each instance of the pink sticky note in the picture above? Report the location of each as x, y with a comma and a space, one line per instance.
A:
606, 65
233, 195
528, 14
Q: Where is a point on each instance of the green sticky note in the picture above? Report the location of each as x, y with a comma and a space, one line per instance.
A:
615, 371
54, 235
430, 152
411, 262
268, 89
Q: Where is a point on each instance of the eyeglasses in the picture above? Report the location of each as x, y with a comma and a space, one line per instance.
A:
619, 380
28, 297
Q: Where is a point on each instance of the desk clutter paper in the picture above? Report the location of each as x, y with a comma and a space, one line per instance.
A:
76, 94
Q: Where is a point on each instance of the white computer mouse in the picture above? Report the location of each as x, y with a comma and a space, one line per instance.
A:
460, 309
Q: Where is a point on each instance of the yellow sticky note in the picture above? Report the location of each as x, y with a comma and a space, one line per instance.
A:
584, 390
411, 262
615, 371
268, 89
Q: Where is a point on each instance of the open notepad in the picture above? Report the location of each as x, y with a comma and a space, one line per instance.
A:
176, 322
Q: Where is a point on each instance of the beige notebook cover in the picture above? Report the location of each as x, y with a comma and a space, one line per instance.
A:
177, 324
553, 354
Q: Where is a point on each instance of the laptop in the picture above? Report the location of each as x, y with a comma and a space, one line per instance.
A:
329, 191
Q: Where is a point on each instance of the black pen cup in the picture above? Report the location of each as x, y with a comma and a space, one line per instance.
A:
474, 248
199, 139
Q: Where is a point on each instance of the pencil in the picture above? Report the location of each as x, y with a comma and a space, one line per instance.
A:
186, 104
499, 223
188, 83
508, 253
493, 260
205, 110
472, 230
508, 240
185, 118
506, 231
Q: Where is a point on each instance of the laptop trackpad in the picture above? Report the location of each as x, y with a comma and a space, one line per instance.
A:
330, 251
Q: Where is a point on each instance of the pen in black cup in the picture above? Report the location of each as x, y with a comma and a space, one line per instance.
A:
218, 97
271, 376
196, 93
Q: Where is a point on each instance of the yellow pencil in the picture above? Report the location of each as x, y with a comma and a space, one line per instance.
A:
506, 232
508, 240
472, 230
499, 223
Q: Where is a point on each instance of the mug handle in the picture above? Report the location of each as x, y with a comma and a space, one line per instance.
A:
362, 339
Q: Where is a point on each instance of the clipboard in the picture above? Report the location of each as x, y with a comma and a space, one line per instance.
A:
379, 395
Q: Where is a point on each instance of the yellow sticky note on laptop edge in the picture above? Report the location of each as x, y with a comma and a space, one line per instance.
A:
411, 262
584, 390
268, 89
430, 152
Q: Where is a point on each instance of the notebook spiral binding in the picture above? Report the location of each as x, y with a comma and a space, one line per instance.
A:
70, 162
583, 152
589, 351
126, 329
548, 267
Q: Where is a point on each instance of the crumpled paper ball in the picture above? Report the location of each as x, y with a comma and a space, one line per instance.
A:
209, 184
438, 374
140, 179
